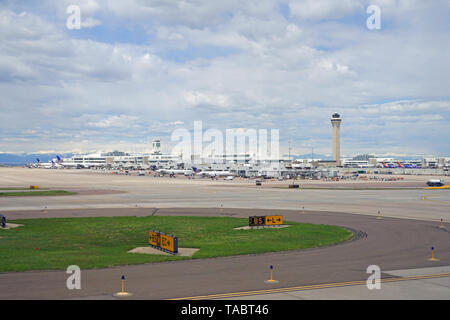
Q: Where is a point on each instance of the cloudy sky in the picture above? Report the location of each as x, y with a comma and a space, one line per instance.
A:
139, 69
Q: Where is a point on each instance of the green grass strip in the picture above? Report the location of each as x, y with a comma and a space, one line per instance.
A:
56, 243
37, 193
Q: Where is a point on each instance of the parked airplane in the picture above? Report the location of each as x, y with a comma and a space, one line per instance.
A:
410, 166
186, 172
75, 165
399, 165
56, 165
215, 173
45, 165
389, 165
406, 165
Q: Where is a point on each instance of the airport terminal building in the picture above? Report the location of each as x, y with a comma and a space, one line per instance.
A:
249, 165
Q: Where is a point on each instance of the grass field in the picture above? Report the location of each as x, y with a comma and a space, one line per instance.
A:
37, 193
103, 242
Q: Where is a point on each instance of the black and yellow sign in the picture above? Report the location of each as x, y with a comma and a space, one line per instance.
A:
256, 221
162, 241
265, 220
274, 220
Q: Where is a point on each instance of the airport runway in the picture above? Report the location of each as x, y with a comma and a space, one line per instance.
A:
390, 243
102, 190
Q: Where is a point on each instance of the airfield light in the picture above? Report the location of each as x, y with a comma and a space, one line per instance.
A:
271, 276
432, 255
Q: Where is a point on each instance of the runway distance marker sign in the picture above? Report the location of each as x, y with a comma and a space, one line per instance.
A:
265, 221
163, 241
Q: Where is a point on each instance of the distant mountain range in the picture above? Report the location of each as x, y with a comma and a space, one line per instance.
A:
22, 159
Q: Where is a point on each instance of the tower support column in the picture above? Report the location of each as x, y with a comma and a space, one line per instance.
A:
336, 127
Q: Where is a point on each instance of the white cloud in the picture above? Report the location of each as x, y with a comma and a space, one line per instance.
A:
191, 13
90, 22
281, 73
323, 9
201, 98
114, 121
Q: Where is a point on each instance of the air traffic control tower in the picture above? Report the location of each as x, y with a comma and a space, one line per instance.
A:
336, 125
156, 146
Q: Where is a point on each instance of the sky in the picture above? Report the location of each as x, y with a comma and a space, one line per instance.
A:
140, 69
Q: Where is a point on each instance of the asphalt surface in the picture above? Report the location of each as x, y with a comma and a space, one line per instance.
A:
104, 190
390, 243
432, 283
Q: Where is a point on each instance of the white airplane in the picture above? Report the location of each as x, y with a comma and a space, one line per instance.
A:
60, 164
78, 165
215, 173
228, 178
48, 165
56, 165
186, 172
74, 165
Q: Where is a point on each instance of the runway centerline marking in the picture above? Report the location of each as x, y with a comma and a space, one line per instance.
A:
311, 287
